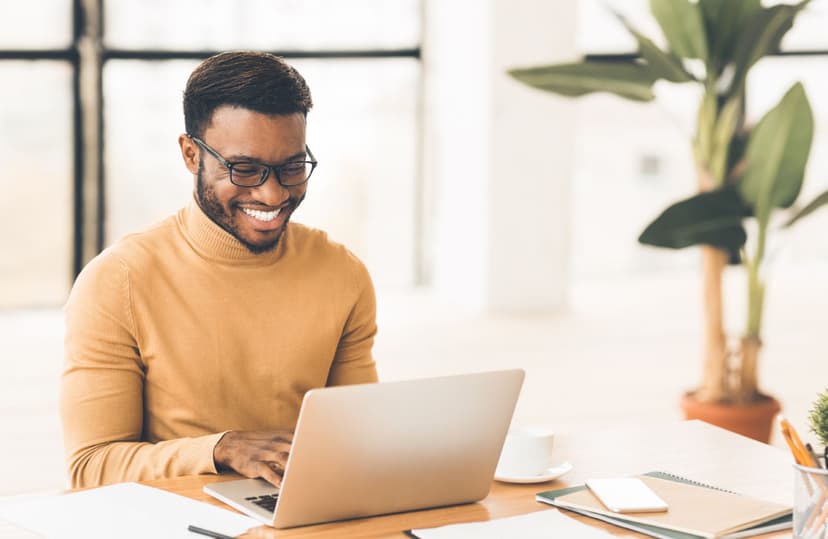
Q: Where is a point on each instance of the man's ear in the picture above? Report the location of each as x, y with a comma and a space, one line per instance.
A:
189, 152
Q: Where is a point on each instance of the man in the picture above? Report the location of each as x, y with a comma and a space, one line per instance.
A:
189, 346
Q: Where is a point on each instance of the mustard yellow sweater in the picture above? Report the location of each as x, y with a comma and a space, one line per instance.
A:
179, 334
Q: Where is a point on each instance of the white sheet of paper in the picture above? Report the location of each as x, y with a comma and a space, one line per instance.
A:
10, 531
125, 510
544, 524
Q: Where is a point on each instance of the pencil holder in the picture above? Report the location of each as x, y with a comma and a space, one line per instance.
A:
810, 510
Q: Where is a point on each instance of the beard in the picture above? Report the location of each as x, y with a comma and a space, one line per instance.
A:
223, 216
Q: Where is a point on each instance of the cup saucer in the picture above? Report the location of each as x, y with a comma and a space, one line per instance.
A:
550, 474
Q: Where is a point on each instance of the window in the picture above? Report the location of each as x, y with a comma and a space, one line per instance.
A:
37, 153
40, 25
361, 59
276, 25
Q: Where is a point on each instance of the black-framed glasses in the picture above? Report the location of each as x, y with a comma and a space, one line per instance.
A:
253, 174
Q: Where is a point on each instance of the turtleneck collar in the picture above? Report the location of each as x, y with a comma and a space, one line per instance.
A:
215, 243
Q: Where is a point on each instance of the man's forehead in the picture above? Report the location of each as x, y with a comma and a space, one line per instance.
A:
243, 134
250, 123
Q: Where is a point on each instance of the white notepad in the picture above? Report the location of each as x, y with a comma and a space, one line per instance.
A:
125, 510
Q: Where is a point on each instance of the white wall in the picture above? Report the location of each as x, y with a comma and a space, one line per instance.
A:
497, 154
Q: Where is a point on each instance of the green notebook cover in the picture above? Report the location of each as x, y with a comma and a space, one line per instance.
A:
781, 523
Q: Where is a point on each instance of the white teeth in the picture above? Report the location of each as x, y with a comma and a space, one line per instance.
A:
265, 216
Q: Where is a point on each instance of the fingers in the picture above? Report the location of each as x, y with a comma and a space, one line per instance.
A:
267, 454
237, 446
271, 472
255, 453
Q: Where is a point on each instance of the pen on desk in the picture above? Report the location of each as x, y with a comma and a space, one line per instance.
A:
208, 533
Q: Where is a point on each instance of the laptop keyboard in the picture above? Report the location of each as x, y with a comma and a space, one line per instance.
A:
267, 501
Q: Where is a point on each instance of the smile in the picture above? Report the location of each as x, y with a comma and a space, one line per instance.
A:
264, 216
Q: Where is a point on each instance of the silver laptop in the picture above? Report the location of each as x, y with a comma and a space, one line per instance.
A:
373, 449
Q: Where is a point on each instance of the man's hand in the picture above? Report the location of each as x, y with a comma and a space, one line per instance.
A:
254, 453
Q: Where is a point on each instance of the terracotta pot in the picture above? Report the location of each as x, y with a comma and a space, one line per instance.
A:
752, 420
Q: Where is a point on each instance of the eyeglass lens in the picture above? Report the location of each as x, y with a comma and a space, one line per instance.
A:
251, 174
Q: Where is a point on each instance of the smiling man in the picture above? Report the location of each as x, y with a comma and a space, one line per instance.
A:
190, 346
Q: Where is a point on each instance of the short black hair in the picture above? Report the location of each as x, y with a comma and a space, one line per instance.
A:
258, 81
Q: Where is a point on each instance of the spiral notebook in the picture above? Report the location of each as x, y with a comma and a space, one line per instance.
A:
696, 510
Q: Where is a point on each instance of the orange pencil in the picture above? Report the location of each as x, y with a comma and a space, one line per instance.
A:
800, 454
809, 460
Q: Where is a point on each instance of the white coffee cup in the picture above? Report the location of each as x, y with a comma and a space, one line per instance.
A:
527, 452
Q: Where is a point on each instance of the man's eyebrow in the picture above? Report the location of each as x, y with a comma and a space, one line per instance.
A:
235, 158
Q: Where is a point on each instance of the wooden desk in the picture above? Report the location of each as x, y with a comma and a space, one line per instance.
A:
691, 449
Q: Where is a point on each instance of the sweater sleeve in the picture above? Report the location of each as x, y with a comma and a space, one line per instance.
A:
354, 362
101, 400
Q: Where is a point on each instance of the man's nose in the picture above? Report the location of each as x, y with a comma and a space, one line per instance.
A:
271, 192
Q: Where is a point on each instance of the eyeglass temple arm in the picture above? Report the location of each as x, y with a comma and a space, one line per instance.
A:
211, 151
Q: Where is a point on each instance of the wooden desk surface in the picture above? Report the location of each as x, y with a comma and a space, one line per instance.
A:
691, 449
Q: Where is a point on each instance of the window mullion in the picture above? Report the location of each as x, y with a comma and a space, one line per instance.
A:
89, 207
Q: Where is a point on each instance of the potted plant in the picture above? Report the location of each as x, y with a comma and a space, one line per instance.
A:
818, 421
745, 172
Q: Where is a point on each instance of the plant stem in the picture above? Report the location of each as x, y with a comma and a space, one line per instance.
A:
748, 376
756, 300
756, 286
714, 386
751, 343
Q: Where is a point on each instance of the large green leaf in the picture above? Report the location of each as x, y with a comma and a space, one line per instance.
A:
710, 218
761, 36
777, 153
724, 21
663, 65
809, 208
626, 79
682, 24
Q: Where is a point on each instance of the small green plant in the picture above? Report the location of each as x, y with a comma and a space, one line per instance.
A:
818, 417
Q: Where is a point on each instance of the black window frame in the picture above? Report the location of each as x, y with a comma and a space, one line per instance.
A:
88, 51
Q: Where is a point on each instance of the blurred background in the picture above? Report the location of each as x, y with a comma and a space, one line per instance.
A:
499, 223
